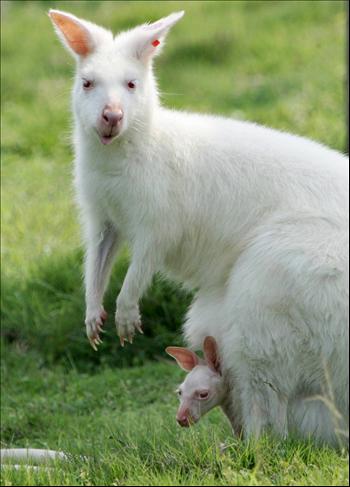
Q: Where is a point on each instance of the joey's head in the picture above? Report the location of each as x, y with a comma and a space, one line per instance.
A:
204, 387
114, 89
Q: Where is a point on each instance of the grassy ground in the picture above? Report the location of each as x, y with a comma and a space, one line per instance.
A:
278, 63
123, 421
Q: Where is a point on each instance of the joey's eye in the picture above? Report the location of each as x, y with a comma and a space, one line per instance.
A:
131, 85
179, 392
203, 395
87, 84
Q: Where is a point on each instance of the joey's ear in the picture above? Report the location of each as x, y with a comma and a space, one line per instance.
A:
211, 354
79, 36
147, 40
185, 358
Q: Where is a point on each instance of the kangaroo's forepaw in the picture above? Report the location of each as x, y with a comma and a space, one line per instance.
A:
128, 321
94, 322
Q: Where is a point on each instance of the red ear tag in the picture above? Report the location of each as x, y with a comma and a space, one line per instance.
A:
155, 43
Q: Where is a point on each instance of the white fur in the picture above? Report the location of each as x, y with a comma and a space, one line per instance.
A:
254, 219
28, 458
31, 454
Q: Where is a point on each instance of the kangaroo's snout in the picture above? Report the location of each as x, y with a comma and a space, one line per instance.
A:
183, 421
112, 117
110, 123
184, 418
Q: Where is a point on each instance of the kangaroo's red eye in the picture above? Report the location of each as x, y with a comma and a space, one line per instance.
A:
203, 395
131, 85
87, 84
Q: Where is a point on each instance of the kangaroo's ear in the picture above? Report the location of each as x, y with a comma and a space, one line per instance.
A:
211, 354
185, 358
147, 40
79, 36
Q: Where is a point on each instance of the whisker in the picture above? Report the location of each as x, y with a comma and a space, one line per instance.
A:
170, 94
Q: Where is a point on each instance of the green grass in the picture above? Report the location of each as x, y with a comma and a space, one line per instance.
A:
124, 422
277, 63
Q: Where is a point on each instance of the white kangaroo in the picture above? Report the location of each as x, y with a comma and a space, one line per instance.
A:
254, 219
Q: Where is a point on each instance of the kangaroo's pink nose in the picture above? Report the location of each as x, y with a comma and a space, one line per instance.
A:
112, 118
183, 422
183, 419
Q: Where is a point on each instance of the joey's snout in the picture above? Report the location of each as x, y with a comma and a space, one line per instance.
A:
110, 123
184, 418
184, 422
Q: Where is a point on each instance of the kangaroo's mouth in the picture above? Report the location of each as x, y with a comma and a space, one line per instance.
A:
107, 136
107, 139
187, 421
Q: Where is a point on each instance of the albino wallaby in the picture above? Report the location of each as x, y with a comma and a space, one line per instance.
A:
205, 387
254, 219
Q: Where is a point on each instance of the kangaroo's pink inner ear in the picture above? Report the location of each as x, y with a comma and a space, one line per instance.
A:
149, 37
185, 358
211, 353
73, 33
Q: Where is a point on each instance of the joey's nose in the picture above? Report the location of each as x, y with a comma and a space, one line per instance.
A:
184, 422
112, 117
183, 419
